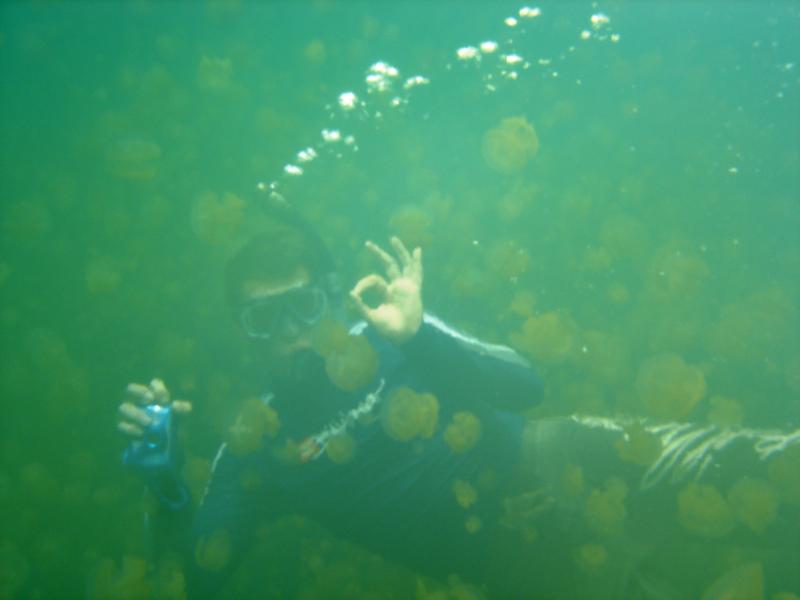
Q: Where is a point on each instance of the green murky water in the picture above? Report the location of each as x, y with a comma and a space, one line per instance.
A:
620, 205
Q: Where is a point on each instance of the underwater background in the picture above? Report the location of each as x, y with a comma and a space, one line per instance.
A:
610, 188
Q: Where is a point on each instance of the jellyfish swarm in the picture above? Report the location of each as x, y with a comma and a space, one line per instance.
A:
508, 147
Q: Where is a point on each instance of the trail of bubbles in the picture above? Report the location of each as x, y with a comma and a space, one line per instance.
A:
384, 90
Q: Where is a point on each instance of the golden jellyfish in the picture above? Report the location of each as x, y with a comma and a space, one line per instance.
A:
412, 225
572, 482
547, 338
784, 474
754, 502
638, 446
408, 415
463, 432
350, 361
341, 448
745, 582
214, 74
508, 260
591, 558
668, 388
26, 221
315, 52
128, 582
522, 303
216, 220
703, 511
473, 524
465, 493
522, 512
604, 356
102, 275
213, 552
675, 273
354, 365
254, 421
725, 412
509, 147
605, 508
134, 159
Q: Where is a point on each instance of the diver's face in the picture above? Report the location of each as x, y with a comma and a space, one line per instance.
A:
280, 313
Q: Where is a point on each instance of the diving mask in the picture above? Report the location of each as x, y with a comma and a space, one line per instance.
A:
284, 315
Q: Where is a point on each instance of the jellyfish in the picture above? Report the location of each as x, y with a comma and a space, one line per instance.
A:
605, 508
725, 412
638, 446
463, 432
473, 524
213, 552
465, 493
754, 502
134, 159
353, 365
508, 260
341, 448
591, 558
412, 225
214, 74
745, 582
254, 421
408, 415
548, 338
129, 581
102, 275
703, 511
668, 388
784, 474
509, 147
217, 220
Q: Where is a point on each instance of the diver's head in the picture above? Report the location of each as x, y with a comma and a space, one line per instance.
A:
278, 286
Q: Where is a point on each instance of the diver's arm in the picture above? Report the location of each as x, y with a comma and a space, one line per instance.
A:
451, 361
225, 524
472, 369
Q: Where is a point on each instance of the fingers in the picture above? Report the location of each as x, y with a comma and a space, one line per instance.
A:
402, 252
389, 263
130, 429
141, 393
183, 407
159, 391
366, 283
416, 266
134, 414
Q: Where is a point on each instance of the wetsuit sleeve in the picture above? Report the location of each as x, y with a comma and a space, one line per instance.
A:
224, 527
468, 368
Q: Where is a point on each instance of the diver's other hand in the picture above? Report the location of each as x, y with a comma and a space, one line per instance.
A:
133, 419
398, 316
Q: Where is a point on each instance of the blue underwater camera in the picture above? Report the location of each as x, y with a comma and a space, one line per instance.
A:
155, 451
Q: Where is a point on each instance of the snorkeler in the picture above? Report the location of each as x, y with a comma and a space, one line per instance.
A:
442, 472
